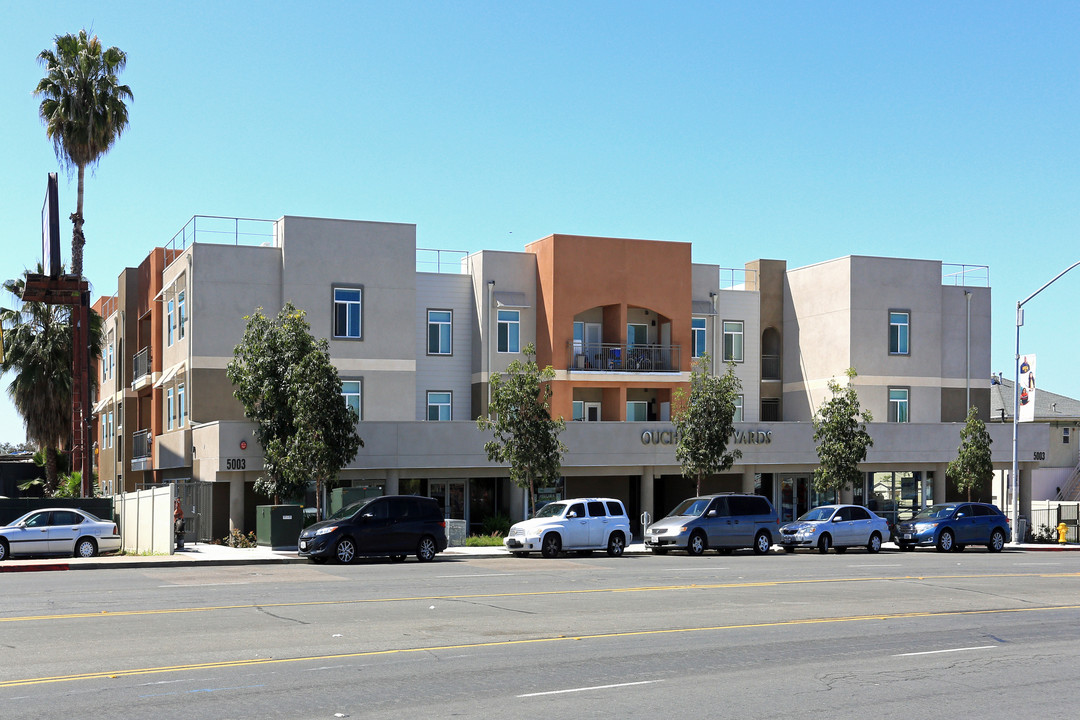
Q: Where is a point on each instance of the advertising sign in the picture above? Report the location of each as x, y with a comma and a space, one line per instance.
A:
50, 229
1027, 389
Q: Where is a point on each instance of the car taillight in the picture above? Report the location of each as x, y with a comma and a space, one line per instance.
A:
115, 530
442, 523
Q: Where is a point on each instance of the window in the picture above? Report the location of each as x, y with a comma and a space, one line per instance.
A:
697, 337
169, 321
112, 359
738, 417
898, 405
351, 391
170, 409
637, 334
181, 315
579, 410
509, 331
733, 341
439, 324
637, 411
770, 410
348, 303
596, 509
438, 406
898, 332
180, 409
1065, 433
109, 438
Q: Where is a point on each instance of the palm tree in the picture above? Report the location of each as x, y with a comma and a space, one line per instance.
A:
83, 110
37, 348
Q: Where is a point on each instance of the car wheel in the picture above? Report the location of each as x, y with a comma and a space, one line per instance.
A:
874, 544
3, 550
616, 544
762, 543
997, 542
659, 551
85, 548
426, 550
551, 545
945, 541
345, 551
823, 543
789, 548
697, 544
397, 558
840, 550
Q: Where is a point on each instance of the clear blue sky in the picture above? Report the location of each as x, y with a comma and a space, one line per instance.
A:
801, 131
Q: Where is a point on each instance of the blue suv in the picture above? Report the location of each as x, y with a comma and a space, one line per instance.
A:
953, 526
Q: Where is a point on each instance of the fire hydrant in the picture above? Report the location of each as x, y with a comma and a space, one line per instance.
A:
1062, 530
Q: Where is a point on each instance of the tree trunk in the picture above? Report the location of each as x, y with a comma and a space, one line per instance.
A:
51, 480
698, 491
532, 497
78, 239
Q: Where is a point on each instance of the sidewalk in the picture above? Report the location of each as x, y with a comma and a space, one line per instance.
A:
205, 554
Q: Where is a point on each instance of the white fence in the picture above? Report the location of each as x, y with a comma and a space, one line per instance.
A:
146, 520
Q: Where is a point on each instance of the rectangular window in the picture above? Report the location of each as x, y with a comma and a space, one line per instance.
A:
170, 409
637, 334
1065, 433
169, 321
899, 323
180, 409
439, 326
579, 338
110, 435
348, 306
738, 417
351, 390
637, 411
898, 405
697, 337
181, 315
579, 410
509, 331
733, 341
438, 406
111, 360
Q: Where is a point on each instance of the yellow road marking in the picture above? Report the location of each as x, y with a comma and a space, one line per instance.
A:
506, 643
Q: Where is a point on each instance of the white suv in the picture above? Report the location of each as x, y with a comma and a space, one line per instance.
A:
578, 524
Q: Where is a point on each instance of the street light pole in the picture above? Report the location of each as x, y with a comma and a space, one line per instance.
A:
1014, 476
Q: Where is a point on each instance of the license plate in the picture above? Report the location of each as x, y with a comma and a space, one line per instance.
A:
907, 536
303, 544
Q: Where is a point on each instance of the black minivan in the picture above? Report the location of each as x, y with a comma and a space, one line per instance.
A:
392, 525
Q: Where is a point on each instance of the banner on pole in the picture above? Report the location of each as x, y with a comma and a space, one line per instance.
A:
1027, 388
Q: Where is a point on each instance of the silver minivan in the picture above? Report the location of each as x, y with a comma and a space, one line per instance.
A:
723, 522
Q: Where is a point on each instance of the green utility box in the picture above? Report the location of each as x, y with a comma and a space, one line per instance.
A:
278, 526
343, 496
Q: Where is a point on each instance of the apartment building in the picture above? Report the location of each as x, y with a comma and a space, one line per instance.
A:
621, 321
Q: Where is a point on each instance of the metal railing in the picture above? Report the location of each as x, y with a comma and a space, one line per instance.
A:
440, 261
140, 365
770, 367
965, 275
611, 357
142, 443
1070, 490
738, 279
219, 230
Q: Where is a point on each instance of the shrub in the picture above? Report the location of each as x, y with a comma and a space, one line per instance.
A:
497, 524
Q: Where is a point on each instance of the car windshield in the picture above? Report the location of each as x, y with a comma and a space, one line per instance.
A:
936, 511
349, 510
554, 509
692, 507
817, 514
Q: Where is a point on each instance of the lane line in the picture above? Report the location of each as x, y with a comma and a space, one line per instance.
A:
584, 689
135, 672
950, 650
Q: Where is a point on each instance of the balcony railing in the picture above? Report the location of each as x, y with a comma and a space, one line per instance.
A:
142, 443
609, 357
140, 366
770, 367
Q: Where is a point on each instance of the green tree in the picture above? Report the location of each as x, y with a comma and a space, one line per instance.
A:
972, 469
289, 388
37, 349
84, 110
525, 435
704, 422
841, 437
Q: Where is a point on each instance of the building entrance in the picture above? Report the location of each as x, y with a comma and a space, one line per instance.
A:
796, 495
451, 497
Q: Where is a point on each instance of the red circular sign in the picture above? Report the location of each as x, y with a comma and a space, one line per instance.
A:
243, 444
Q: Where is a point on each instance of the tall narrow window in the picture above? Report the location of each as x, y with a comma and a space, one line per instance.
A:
738, 417
637, 411
439, 325
579, 410
181, 315
637, 334
180, 409
438, 406
170, 320
110, 436
697, 337
898, 405
898, 332
351, 390
733, 341
111, 360
170, 409
348, 312
509, 331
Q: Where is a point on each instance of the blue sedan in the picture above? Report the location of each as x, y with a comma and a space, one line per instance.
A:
953, 526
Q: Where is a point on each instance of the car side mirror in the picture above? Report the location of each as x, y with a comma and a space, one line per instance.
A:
571, 514
711, 513
960, 515
837, 518
368, 515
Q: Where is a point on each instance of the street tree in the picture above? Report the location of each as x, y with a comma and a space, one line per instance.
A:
83, 106
37, 350
283, 377
972, 469
704, 422
841, 437
525, 435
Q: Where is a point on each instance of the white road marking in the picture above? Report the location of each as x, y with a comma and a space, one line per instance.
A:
594, 687
934, 652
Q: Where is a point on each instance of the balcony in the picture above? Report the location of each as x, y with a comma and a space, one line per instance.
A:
770, 367
141, 373
609, 357
142, 445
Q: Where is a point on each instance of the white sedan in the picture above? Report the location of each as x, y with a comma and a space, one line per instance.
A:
838, 526
58, 531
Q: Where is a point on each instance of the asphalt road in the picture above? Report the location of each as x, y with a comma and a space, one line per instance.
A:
894, 635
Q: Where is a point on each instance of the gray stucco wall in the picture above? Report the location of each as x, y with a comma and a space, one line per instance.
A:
452, 372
